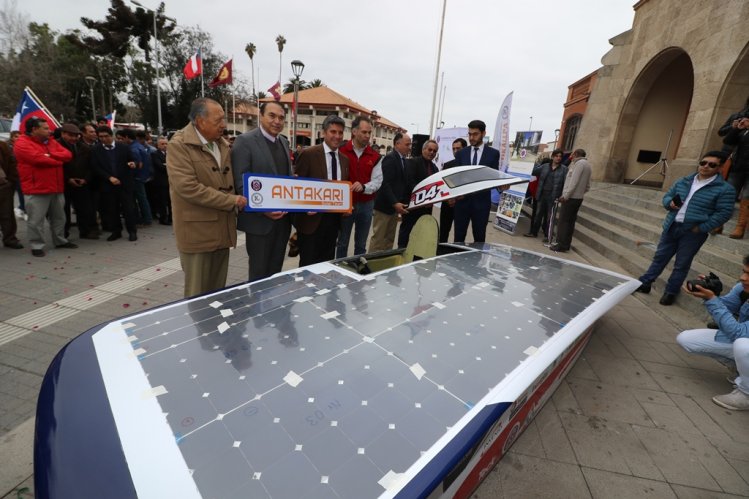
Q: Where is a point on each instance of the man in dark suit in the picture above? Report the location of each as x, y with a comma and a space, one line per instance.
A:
392, 198
475, 207
417, 170
447, 211
162, 204
263, 151
317, 232
113, 164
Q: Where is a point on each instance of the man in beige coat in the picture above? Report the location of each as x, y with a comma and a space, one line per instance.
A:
204, 200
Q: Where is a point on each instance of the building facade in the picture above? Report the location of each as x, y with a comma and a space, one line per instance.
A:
665, 88
578, 95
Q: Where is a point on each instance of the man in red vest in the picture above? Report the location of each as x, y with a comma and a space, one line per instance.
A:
365, 175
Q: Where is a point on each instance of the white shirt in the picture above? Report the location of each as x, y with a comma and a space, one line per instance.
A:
478, 154
328, 162
216, 151
375, 179
267, 135
697, 184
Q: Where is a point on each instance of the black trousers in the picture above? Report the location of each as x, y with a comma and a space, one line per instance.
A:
115, 200
266, 252
82, 202
407, 224
161, 203
446, 221
566, 225
320, 245
541, 215
474, 209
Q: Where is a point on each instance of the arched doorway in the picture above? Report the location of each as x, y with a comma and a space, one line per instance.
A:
656, 109
733, 97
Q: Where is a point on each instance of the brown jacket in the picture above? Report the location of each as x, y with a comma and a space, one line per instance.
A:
8, 164
312, 164
203, 195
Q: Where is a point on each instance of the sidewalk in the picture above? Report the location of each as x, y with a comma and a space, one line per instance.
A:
633, 419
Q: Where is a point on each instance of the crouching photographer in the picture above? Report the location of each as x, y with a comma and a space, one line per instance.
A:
729, 345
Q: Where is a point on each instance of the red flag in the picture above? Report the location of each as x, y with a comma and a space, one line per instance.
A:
30, 107
275, 90
194, 66
224, 76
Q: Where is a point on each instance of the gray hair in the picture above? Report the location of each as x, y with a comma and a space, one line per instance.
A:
333, 119
199, 107
432, 141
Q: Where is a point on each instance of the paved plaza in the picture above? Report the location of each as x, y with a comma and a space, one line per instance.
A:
633, 419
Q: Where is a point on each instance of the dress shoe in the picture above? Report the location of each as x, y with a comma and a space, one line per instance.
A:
644, 288
667, 299
114, 236
67, 245
37, 252
132, 236
557, 248
165, 222
530, 234
14, 245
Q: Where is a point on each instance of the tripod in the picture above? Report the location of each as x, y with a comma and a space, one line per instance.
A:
663, 162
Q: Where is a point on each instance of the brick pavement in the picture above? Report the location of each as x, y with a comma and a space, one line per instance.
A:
632, 419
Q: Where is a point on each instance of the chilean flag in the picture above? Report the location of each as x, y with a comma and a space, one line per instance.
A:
30, 107
194, 66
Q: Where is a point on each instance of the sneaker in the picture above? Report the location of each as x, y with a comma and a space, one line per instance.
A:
557, 248
736, 400
37, 252
644, 288
667, 299
20, 214
67, 245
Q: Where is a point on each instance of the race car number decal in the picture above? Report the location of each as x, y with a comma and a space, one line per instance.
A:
428, 193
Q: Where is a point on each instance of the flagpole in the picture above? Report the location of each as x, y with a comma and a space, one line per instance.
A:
233, 99
49, 113
257, 103
202, 70
437, 69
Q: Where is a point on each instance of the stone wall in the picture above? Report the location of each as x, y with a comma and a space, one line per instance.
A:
714, 34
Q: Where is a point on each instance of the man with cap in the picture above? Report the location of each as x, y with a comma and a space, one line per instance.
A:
40, 163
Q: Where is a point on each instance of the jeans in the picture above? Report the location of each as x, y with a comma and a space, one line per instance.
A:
702, 342
678, 240
144, 216
360, 221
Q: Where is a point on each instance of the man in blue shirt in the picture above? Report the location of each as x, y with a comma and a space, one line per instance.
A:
729, 345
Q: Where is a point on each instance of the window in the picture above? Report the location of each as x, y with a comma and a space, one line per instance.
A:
570, 132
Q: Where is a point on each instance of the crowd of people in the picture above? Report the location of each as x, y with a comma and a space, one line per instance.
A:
88, 171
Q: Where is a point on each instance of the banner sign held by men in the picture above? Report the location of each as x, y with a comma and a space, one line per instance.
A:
272, 193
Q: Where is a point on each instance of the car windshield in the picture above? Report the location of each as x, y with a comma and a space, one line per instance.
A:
472, 176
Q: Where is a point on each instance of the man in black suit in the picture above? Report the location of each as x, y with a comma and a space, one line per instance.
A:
113, 163
162, 205
263, 151
417, 170
392, 198
474, 208
447, 211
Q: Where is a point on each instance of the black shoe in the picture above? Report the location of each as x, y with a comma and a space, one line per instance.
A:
14, 245
557, 248
530, 234
667, 299
90, 236
644, 288
37, 252
165, 222
132, 236
67, 245
114, 236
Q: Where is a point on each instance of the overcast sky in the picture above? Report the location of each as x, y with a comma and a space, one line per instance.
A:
383, 54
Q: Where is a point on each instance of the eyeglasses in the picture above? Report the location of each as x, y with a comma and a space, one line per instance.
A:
709, 163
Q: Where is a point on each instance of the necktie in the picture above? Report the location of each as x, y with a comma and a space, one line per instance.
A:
333, 165
403, 163
475, 156
209, 145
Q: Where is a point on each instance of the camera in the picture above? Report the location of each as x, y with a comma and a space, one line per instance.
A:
710, 281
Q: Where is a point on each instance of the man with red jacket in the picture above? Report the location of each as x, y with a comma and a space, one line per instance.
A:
40, 163
365, 175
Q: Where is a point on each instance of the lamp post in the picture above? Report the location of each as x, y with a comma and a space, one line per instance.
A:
297, 67
91, 81
417, 127
156, 51
556, 138
530, 125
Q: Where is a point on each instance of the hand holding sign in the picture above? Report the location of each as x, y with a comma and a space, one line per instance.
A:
278, 195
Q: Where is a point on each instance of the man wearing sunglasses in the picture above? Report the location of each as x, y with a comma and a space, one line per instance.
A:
696, 204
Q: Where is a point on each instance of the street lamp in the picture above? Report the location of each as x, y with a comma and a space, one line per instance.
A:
556, 138
91, 81
530, 126
297, 67
156, 50
417, 127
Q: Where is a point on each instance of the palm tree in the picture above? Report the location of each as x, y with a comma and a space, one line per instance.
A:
317, 82
280, 41
289, 86
251, 49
